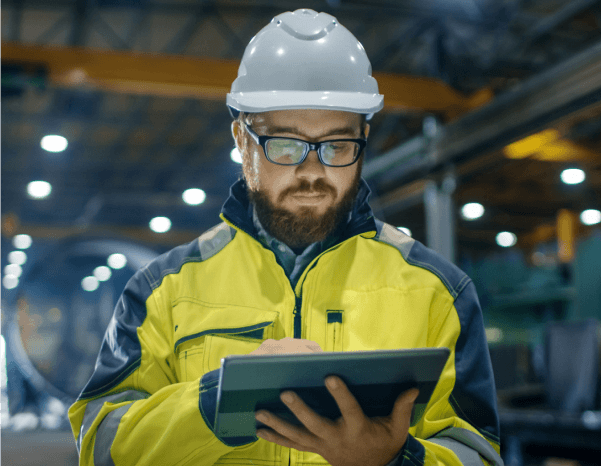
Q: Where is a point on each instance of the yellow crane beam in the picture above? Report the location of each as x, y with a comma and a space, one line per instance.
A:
210, 78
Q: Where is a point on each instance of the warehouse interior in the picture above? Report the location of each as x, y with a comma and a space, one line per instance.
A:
117, 146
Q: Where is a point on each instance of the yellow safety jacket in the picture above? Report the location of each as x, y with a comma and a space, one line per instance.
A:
152, 397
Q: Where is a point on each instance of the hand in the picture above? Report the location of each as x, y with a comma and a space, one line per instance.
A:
287, 345
352, 439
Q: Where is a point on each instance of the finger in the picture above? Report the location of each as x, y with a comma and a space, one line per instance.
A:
316, 424
347, 403
274, 437
284, 429
401, 412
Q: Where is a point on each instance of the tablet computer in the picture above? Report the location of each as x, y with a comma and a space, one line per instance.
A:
248, 383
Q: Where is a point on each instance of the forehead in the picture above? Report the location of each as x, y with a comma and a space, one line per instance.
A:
308, 120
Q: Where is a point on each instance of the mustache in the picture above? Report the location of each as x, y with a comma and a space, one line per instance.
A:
304, 187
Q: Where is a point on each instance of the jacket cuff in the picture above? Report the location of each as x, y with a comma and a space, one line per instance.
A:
207, 404
413, 453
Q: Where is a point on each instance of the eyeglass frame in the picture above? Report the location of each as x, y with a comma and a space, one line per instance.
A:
262, 141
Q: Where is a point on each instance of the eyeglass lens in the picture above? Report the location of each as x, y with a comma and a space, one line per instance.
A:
289, 152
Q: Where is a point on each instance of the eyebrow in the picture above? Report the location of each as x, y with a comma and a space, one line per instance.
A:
347, 130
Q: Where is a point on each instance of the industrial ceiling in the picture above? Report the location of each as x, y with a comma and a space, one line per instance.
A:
497, 96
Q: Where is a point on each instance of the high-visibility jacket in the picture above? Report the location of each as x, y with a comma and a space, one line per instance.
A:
152, 397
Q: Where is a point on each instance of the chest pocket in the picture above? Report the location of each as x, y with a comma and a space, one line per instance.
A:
206, 334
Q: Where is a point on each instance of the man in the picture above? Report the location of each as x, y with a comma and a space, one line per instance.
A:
299, 264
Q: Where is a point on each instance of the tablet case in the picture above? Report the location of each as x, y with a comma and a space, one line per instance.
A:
376, 378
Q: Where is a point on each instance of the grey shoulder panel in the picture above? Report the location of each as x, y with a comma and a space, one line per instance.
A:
214, 240
394, 237
205, 246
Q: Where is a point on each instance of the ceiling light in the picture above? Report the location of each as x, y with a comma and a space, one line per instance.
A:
572, 176
194, 196
160, 224
90, 283
405, 230
54, 143
590, 217
10, 282
472, 211
506, 239
117, 261
102, 273
235, 155
493, 334
17, 257
13, 269
22, 241
39, 189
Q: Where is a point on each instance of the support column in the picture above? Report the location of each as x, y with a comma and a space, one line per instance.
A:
440, 216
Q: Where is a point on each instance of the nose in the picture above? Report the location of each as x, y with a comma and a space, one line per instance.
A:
311, 169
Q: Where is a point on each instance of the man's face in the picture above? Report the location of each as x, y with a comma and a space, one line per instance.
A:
305, 203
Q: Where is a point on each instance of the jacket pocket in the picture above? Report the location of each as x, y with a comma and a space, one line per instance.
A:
209, 333
334, 330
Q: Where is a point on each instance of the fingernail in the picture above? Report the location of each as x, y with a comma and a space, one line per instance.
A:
287, 397
261, 417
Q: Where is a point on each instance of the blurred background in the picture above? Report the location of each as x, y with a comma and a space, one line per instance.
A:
116, 147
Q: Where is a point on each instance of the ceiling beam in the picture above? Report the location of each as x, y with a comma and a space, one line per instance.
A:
210, 78
536, 103
137, 234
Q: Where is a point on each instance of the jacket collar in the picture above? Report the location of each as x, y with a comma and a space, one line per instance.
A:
238, 210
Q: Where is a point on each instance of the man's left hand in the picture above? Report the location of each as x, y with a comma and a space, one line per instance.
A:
352, 439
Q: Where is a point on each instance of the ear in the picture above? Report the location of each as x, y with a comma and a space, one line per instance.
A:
237, 134
366, 130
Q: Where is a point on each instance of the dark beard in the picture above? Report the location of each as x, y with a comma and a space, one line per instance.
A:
306, 227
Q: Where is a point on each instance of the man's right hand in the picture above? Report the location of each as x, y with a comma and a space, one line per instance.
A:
286, 346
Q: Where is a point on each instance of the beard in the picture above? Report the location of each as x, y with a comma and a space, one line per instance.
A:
305, 226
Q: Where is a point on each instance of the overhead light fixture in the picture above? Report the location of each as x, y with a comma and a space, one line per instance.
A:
17, 257
590, 217
506, 239
102, 273
493, 334
472, 211
10, 282
194, 196
39, 189
117, 261
90, 283
235, 155
22, 241
54, 143
405, 230
572, 176
160, 224
13, 269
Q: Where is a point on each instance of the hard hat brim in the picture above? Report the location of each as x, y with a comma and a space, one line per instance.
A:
265, 101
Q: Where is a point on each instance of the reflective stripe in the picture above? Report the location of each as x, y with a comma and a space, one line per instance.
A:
214, 240
397, 239
93, 408
459, 440
105, 435
466, 455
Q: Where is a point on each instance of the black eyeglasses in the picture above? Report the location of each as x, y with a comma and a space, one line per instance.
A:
291, 151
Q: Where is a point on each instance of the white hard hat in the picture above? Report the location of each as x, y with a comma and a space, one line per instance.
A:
304, 59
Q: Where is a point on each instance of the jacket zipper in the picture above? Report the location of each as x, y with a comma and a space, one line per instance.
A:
297, 316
